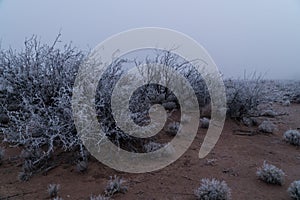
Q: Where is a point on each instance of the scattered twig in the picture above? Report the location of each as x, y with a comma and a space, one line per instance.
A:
244, 132
188, 178
45, 171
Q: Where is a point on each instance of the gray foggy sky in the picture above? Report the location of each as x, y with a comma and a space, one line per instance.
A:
254, 35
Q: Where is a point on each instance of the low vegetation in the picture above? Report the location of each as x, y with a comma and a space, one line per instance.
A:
213, 189
115, 185
267, 127
244, 96
294, 190
292, 137
36, 86
271, 174
173, 128
53, 190
204, 122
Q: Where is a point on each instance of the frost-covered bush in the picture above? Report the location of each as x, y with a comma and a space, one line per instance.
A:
249, 121
36, 86
169, 105
204, 122
244, 96
115, 185
173, 128
145, 96
292, 137
28, 166
268, 113
24, 176
36, 95
294, 190
162, 94
53, 190
296, 98
82, 166
286, 103
270, 174
31, 161
152, 146
295, 92
4, 119
213, 190
185, 119
267, 127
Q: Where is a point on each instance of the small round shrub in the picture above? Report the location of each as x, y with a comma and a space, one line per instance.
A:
270, 174
169, 105
115, 185
213, 190
24, 176
294, 190
292, 137
286, 103
267, 127
53, 189
204, 122
268, 113
82, 166
173, 128
152, 146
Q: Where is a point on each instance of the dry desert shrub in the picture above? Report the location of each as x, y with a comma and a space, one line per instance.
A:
244, 96
292, 137
204, 122
152, 146
267, 127
294, 190
53, 190
36, 91
115, 185
271, 174
173, 128
213, 190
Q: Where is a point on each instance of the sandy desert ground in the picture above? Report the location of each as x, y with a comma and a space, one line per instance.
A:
235, 159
